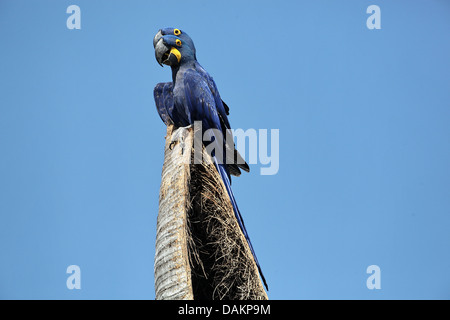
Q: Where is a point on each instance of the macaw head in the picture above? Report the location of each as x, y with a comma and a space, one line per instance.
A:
173, 46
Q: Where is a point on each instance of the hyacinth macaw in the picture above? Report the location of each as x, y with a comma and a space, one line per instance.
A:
193, 96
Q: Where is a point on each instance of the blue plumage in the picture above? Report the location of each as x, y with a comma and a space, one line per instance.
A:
163, 94
193, 96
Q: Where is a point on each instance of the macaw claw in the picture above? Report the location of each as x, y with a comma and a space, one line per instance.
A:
178, 136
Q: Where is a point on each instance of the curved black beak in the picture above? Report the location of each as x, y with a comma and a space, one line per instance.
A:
161, 49
156, 38
163, 53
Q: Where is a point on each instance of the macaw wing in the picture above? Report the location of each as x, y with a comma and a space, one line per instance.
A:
223, 110
221, 106
200, 101
202, 105
163, 94
227, 109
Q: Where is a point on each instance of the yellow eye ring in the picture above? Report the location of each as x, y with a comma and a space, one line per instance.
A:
176, 32
178, 42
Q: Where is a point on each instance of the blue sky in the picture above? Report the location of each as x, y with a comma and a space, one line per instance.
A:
363, 116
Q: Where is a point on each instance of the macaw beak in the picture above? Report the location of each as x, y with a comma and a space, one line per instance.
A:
163, 53
156, 38
160, 48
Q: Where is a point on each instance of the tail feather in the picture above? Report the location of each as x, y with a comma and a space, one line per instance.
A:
226, 180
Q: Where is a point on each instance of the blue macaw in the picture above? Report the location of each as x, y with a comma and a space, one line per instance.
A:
193, 96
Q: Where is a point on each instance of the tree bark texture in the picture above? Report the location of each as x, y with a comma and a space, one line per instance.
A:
201, 252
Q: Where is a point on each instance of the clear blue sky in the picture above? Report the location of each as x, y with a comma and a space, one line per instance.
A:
364, 143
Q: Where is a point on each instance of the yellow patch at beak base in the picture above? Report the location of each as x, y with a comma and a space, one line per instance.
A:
176, 53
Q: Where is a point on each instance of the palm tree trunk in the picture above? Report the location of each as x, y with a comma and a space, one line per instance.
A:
201, 252
172, 269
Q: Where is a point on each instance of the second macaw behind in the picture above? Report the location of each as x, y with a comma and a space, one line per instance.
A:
193, 96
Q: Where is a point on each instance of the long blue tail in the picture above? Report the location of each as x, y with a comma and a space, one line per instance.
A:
226, 181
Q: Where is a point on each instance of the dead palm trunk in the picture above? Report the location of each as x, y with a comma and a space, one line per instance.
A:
201, 252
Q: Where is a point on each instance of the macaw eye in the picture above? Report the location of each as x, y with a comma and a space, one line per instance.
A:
176, 32
178, 42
